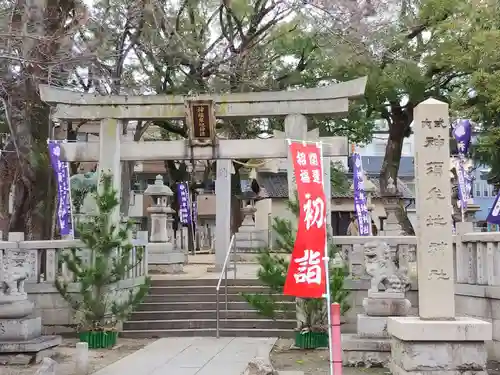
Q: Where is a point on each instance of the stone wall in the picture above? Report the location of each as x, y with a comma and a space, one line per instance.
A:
57, 316
481, 302
477, 301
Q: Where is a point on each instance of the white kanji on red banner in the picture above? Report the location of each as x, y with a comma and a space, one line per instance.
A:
314, 210
313, 159
316, 176
301, 159
304, 176
309, 270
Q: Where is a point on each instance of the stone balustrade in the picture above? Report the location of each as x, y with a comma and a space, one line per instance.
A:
477, 276
477, 255
44, 263
477, 259
352, 250
44, 258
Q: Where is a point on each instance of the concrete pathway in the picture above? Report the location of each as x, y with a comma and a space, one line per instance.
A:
199, 271
192, 356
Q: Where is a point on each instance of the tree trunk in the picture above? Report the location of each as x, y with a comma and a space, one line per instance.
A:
399, 120
8, 171
236, 216
71, 136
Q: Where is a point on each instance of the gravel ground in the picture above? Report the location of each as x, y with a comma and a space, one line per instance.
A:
311, 362
97, 358
315, 362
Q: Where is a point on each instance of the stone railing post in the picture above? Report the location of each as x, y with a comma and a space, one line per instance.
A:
493, 261
142, 237
464, 255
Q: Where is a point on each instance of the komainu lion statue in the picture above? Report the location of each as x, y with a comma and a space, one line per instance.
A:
380, 265
12, 282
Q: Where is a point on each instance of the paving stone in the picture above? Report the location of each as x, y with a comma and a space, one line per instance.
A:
192, 355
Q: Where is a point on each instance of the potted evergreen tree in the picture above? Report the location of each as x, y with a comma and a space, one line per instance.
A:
98, 267
311, 312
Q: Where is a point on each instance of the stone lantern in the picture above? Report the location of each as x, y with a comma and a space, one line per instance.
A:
391, 198
248, 237
160, 249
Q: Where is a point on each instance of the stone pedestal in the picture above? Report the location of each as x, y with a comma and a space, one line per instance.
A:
21, 340
439, 347
386, 304
163, 254
470, 211
371, 345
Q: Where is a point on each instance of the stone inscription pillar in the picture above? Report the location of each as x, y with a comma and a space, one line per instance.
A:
437, 342
433, 191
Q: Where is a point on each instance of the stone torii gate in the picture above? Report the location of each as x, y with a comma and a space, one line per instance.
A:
112, 110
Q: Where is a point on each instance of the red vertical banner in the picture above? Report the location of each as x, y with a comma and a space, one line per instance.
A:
306, 275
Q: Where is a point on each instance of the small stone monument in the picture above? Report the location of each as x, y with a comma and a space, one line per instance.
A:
21, 340
370, 347
160, 249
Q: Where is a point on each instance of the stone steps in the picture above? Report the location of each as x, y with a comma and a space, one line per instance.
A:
206, 289
208, 323
212, 305
207, 332
201, 298
205, 314
187, 307
203, 282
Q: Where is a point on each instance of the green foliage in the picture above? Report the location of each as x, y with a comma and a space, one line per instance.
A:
339, 182
103, 261
272, 273
477, 96
285, 234
82, 185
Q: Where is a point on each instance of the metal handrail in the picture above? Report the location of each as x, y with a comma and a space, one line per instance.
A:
224, 273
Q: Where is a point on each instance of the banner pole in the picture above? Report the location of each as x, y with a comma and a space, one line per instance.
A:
191, 217
327, 274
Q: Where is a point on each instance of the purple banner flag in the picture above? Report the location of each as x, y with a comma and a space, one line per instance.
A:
463, 182
462, 132
184, 210
64, 208
360, 206
494, 215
